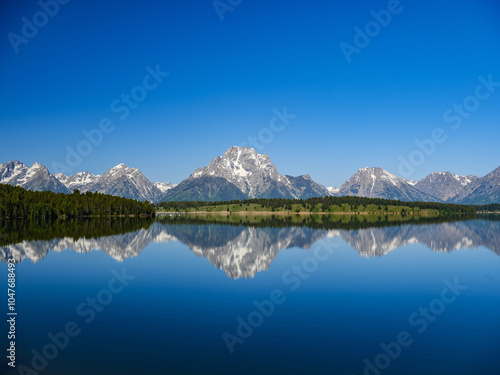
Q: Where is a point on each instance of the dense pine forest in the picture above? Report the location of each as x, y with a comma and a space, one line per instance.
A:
16, 202
322, 204
493, 207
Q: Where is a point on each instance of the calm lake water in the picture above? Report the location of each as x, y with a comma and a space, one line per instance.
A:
187, 295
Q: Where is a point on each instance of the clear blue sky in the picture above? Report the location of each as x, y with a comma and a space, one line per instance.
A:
226, 77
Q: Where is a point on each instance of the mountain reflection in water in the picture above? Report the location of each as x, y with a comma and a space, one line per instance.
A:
241, 249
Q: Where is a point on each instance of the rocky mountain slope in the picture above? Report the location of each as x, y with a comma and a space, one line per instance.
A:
444, 185
378, 183
126, 182
243, 173
36, 178
483, 190
81, 180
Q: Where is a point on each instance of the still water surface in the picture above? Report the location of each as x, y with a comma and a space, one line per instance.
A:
187, 295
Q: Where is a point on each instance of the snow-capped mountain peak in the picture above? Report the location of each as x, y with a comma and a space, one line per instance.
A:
36, 178
243, 167
11, 170
444, 185
61, 177
120, 180
164, 186
127, 182
120, 168
375, 173
31, 171
483, 190
376, 182
241, 173
82, 180
333, 190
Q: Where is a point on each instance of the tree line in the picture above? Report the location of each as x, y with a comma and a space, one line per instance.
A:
492, 207
17, 202
326, 202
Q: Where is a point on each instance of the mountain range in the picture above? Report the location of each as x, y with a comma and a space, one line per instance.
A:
242, 173
36, 178
378, 183
120, 181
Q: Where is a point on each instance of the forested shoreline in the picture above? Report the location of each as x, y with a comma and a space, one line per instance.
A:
346, 204
16, 202
492, 207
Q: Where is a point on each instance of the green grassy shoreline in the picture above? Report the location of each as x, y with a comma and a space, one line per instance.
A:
326, 205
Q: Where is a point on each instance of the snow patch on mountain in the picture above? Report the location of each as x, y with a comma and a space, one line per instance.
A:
333, 190
243, 173
164, 186
378, 183
444, 185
